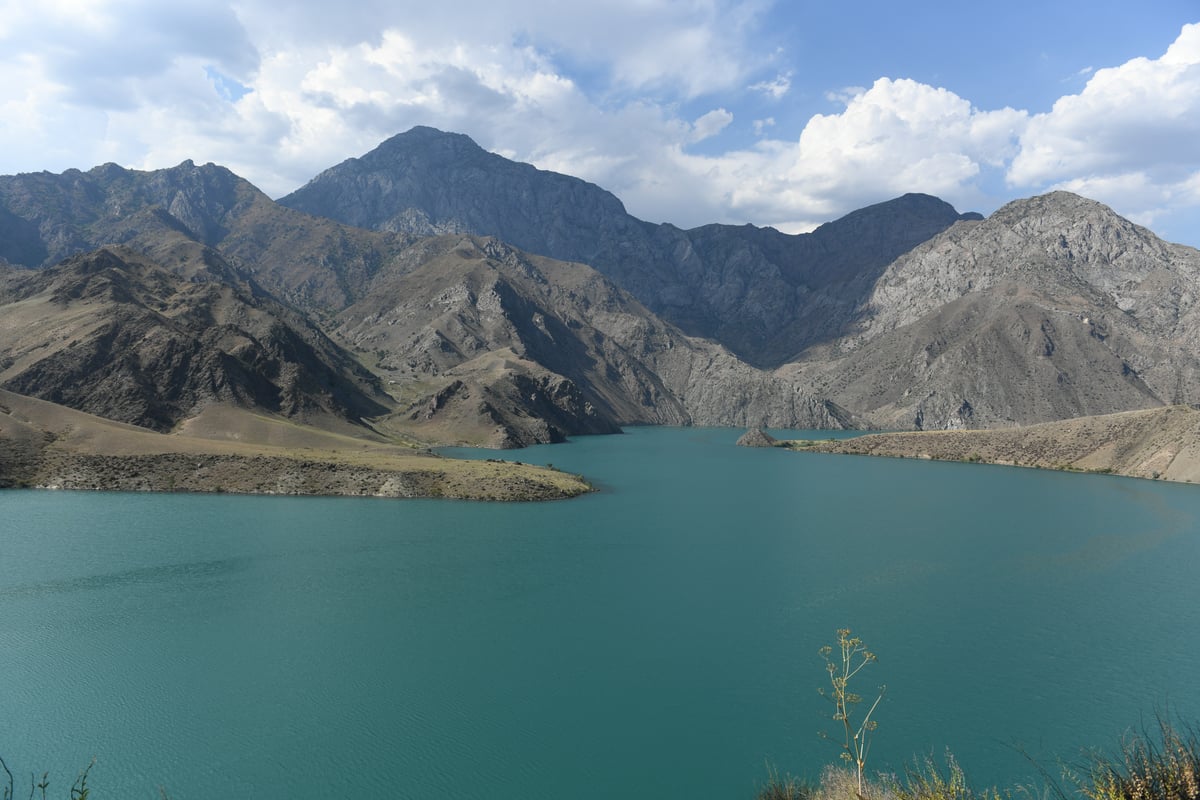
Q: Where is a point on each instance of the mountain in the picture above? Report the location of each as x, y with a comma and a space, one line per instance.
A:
113, 333
1053, 307
451, 323
311, 262
538, 348
765, 295
543, 361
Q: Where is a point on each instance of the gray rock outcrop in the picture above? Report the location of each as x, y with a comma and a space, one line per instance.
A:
756, 437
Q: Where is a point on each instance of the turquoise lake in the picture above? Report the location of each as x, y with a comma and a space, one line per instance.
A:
656, 639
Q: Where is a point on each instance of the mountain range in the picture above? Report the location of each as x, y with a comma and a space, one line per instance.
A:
430, 290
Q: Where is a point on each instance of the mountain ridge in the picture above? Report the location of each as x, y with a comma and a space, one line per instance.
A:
742, 286
905, 314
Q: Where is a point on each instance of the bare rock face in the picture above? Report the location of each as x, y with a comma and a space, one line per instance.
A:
582, 356
756, 437
901, 315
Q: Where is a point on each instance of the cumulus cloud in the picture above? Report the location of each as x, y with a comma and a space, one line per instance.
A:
1132, 134
898, 136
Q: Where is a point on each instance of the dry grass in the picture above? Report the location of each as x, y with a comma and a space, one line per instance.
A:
1160, 766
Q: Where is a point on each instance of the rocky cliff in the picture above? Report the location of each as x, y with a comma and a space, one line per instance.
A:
905, 314
480, 344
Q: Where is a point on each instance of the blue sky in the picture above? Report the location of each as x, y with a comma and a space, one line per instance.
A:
777, 113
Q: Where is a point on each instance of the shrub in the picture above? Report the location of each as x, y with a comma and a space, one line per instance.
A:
787, 788
925, 781
1166, 767
79, 789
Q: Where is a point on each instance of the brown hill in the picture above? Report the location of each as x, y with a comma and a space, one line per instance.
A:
114, 334
1052, 308
565, 354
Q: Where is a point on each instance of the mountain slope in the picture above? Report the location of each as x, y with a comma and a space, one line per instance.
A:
1053, 307
114, 334
905, 314
311, 262
763, 294
480, 330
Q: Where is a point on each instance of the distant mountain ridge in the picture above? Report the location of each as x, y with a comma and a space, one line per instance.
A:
906, 313
763, 294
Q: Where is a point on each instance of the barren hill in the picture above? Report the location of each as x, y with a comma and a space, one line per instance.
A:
115, 334
478, 333
572, 354
902, 315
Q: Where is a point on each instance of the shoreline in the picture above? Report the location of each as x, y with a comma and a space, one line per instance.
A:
1153, 444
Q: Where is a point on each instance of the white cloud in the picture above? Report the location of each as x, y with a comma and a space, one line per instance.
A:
616, 92
710, 124
776, 88
761, 125
1131, 137
896, 137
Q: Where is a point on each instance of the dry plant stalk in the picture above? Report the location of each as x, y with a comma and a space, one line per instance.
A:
849, 658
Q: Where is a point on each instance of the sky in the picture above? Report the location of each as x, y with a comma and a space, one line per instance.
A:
788, 113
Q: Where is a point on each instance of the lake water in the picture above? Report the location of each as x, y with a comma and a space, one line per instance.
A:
656, 639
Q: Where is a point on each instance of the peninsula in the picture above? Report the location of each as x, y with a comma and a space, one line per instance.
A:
1159, 443
232, 450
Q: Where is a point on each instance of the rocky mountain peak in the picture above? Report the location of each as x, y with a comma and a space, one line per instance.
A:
1085, 236
426, 181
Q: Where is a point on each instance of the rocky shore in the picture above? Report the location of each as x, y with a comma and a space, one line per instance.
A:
273, 475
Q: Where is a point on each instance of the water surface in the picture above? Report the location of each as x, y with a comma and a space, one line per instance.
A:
656, 639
